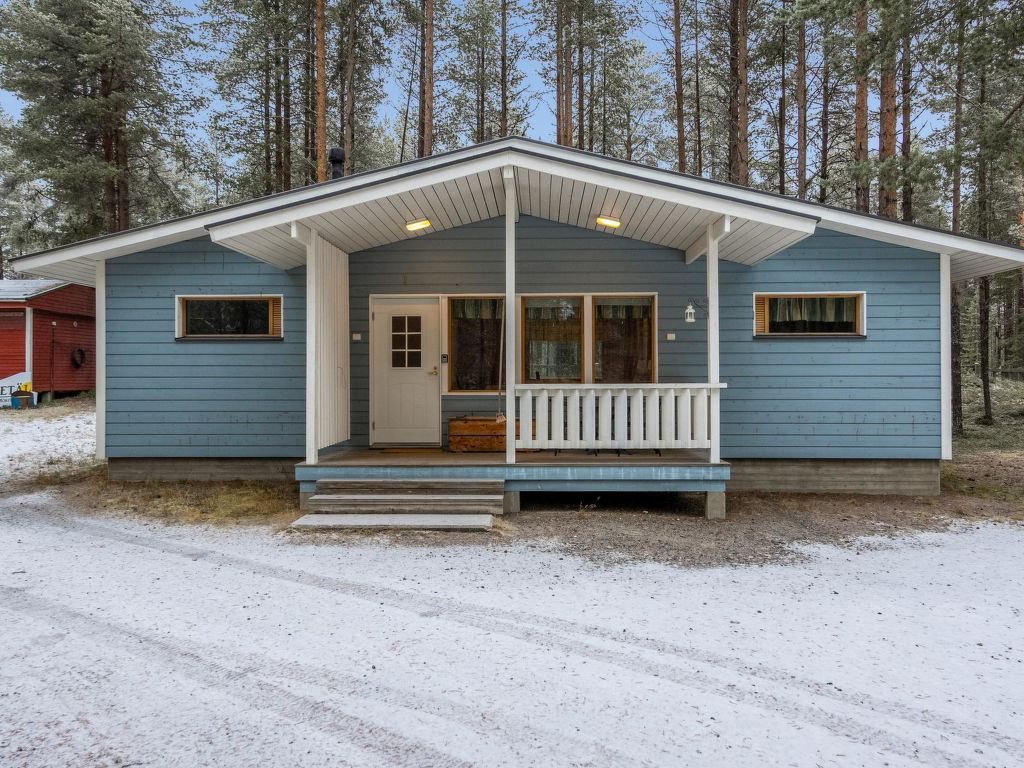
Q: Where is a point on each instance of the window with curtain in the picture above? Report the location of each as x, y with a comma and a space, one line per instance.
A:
230, 316
474, 344
821, 314
553, 339
623, 340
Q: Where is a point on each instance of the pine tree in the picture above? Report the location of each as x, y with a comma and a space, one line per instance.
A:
98, 120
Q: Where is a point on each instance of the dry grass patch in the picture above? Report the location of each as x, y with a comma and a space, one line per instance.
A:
237, 502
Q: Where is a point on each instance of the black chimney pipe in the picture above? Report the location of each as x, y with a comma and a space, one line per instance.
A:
336, 157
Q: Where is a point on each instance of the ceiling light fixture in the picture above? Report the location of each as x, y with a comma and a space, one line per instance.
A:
608, 221
419, 224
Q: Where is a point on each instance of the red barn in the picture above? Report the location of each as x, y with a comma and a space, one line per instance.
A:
47, 336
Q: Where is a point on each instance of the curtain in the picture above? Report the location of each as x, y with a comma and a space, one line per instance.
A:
553, 339
812, 314
475, 343
623, 340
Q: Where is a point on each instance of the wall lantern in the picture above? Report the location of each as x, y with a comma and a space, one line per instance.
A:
692, 305
419, 224
608, 221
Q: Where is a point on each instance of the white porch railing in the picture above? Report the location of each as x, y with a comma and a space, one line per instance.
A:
618, 416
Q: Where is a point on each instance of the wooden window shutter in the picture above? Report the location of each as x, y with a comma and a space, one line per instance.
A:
761, 314
276, 321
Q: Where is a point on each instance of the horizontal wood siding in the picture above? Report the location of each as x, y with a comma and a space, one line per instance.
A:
12, 342
225, 399
835, 398
55, 337
69, 300
551, 257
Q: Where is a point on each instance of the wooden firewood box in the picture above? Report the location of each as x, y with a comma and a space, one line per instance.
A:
467, 434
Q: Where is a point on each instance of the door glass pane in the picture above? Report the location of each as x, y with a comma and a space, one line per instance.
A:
553, 339
812, 314
623, 340
406, 341
474, 345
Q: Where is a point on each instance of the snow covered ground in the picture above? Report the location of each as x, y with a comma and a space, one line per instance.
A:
41, 439
130, 642
135, 643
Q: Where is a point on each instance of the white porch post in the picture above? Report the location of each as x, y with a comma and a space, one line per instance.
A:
714, 376
101, 359
302, 233
509, 176
946, 355
29, 344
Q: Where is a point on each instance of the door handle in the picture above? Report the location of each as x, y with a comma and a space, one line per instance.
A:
435, 372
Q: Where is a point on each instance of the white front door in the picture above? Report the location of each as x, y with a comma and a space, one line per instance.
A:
406, 376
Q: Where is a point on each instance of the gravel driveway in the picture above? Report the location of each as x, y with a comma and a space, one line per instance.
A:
125, 642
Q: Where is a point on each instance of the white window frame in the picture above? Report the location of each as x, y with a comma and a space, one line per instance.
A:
863, 315
179, 318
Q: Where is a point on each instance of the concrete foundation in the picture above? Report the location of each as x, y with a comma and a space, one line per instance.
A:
714, 508
511, 502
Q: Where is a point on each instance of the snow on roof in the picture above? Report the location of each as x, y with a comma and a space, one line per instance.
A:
19, 290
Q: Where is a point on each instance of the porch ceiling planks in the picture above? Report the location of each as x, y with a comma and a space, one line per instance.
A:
479, 195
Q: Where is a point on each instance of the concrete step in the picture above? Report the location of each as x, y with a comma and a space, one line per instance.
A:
408, 503
411, 486
401, 521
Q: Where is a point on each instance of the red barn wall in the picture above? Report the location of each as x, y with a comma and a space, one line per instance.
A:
12, 341
56, 343
69, 300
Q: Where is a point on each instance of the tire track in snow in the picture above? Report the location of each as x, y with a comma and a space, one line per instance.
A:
523, 626
511, 728
874, 704
245, 683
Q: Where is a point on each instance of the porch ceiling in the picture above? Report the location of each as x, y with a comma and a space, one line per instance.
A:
557, 194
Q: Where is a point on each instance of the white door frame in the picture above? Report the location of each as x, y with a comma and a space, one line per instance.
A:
375, 297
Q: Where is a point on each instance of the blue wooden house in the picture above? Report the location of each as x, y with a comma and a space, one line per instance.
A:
567, 321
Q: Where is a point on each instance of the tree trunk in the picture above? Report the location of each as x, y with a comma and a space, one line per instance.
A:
782, 107
351, 57
801, 109
308, 88
860, 112
427, 82
738, 127
698, 149
677, 71
278, 104
825, 123
559, 76
408, 94
268, 162
286, 117
323, 173
956, 380
503, 117
123, 173
591, 97
984, 297
958, 101
906, 87
580, 95
887, 126
109, 157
